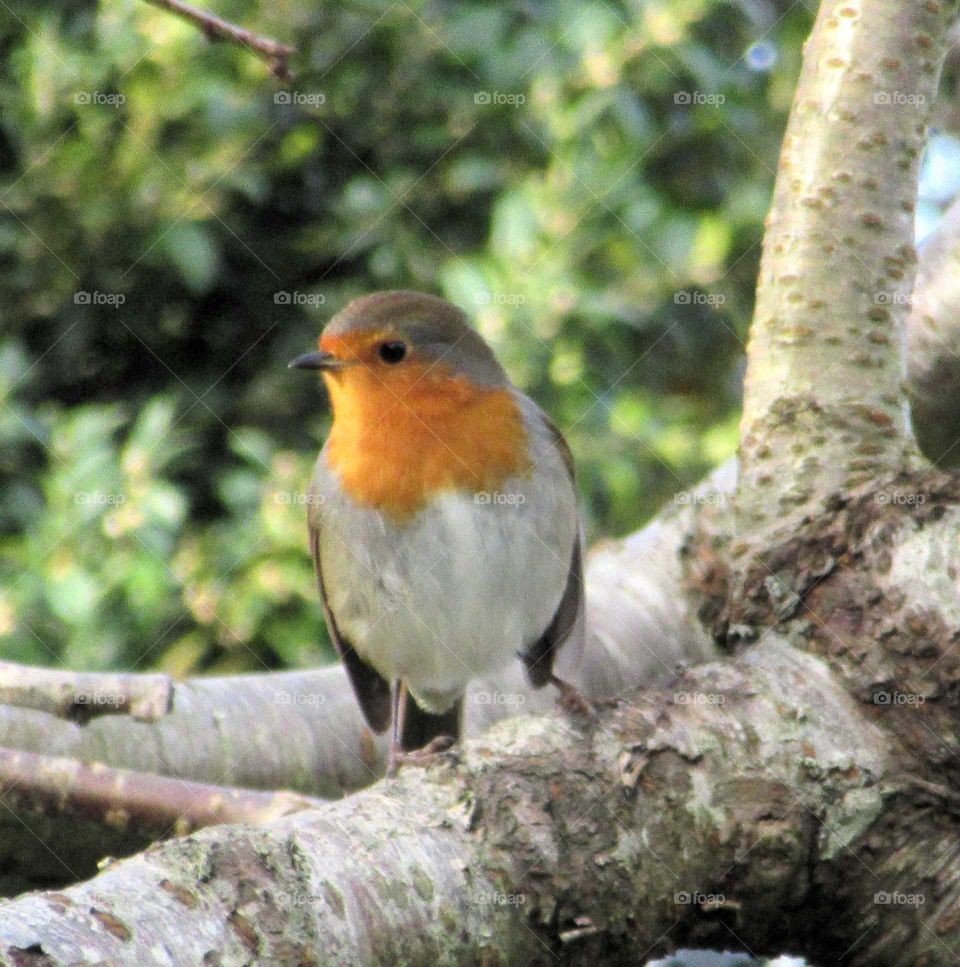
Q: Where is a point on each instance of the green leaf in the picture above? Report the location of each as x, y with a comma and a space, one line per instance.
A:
191, 248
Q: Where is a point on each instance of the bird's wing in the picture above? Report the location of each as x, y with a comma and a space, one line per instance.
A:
538, 657
371, 689
563, 448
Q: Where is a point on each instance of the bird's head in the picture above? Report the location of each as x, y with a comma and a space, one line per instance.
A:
420, 403
402, 345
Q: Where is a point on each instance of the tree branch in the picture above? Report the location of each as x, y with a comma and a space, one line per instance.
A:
277, 55
824, 405
81, 696
661, 827
138, 804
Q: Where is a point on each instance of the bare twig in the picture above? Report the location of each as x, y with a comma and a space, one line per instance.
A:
80, 696
136, 802
277, 55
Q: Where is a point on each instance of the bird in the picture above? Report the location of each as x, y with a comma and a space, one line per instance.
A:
442, 519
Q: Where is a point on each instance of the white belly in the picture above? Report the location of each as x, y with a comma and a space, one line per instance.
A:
457, 592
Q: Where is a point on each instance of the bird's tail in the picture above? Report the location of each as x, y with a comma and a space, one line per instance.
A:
420, 727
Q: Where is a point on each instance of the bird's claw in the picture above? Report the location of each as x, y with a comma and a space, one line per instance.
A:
572, 700
429, 755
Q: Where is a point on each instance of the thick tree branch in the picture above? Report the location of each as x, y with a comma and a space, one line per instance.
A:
701, 814
824, 405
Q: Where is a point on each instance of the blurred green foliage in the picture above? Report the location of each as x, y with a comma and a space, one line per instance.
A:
587, 180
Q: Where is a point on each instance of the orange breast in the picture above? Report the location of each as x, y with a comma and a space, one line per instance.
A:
402, 435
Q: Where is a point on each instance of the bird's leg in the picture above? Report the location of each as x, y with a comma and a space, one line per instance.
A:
571, 699
416, 757
399, 695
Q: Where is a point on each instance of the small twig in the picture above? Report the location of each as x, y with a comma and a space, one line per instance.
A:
81, 696
277, 55
137, 802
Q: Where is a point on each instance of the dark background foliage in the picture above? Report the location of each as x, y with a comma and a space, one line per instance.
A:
588, 181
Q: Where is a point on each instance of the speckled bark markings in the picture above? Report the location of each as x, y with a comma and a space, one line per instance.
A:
824, 407
825, 436
826, 551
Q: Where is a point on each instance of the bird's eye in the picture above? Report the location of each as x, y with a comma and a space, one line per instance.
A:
392, 352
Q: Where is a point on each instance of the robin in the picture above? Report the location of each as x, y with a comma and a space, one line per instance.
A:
442, 518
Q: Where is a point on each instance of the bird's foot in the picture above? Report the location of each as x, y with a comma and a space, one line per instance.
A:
571, 700
432, 753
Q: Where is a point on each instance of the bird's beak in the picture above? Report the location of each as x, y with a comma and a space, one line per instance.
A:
318, 360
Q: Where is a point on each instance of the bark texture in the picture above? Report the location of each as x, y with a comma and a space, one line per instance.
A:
797, 794
545, 838
824, 408
82, 696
